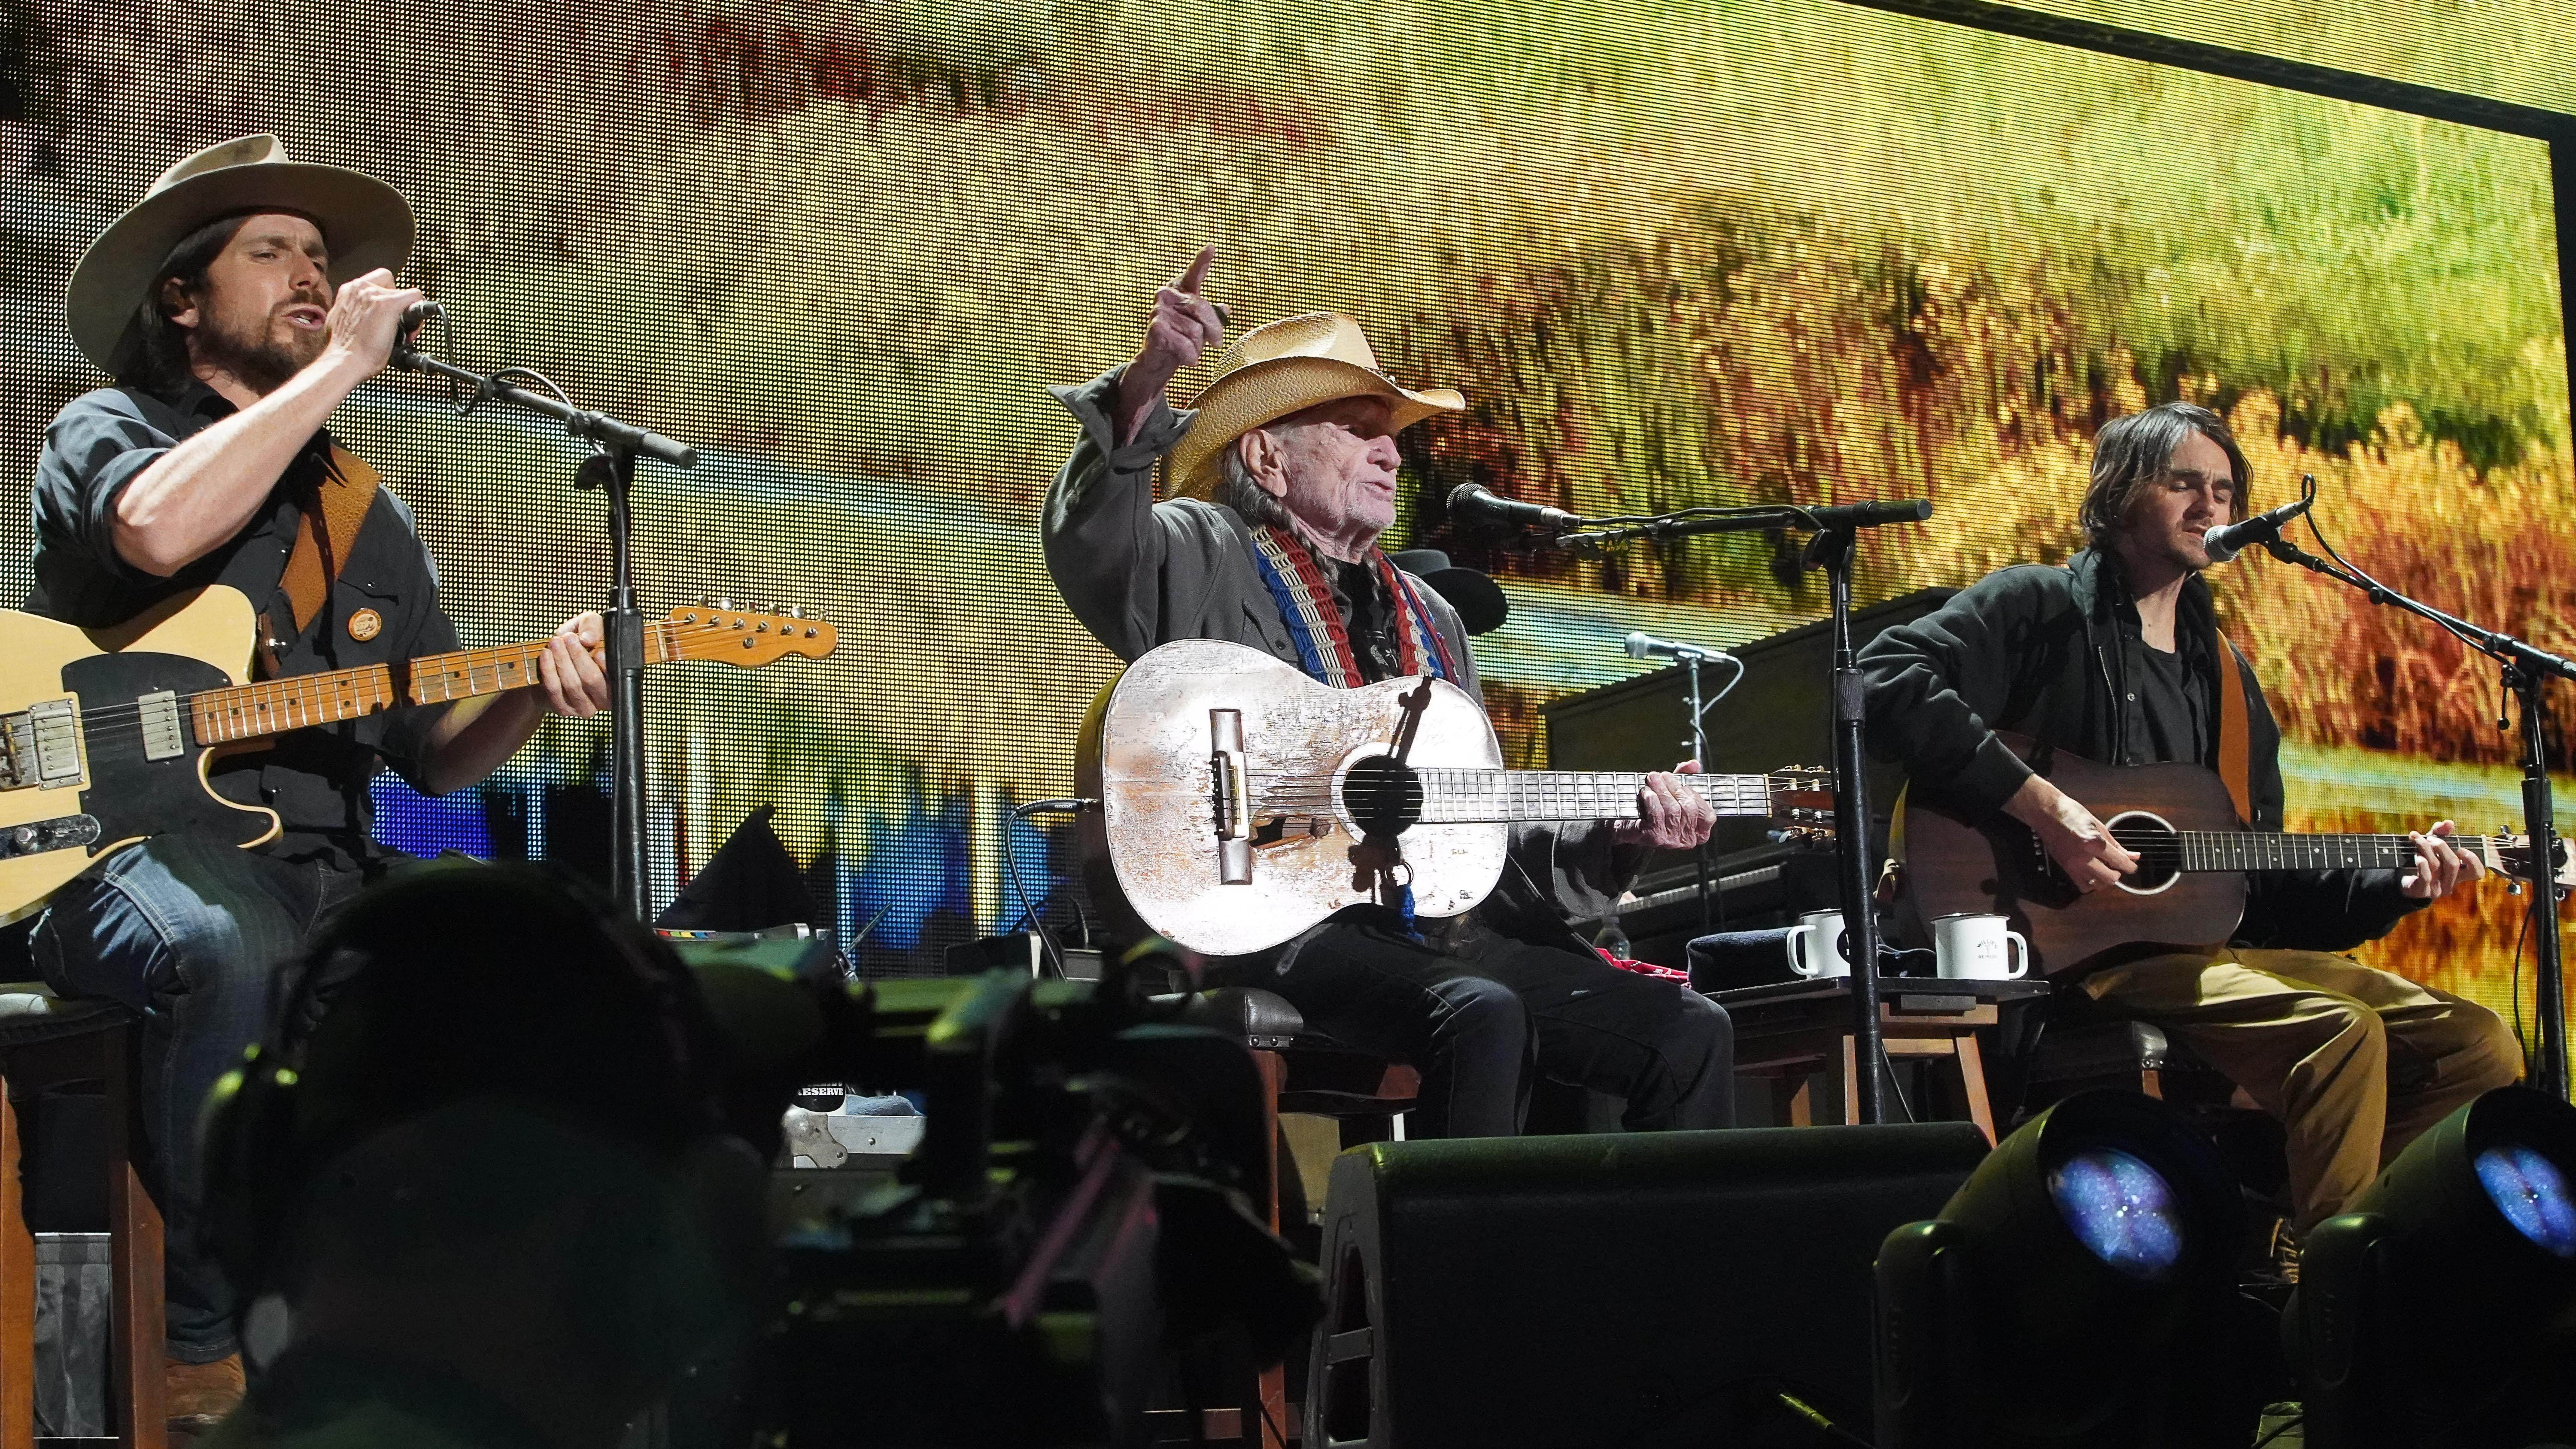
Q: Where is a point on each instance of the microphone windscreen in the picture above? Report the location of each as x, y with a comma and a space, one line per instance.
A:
1641, 645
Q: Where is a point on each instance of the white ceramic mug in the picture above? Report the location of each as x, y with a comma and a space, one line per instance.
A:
1970, 947
1819, 946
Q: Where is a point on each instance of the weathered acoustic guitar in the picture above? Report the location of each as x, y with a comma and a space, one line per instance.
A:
2193, 858
1242, 802
106, 734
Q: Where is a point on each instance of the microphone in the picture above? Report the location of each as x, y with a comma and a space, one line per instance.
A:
2230, 539
1642, 645
1877, 514
1476, 501
416, 316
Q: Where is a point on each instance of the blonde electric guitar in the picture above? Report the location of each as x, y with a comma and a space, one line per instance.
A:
106, 734
1242, 802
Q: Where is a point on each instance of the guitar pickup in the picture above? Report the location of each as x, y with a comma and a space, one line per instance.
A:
163, 739
41, 746
1230, 781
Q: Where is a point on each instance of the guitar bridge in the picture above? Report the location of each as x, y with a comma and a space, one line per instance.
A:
1230, 781
41, 746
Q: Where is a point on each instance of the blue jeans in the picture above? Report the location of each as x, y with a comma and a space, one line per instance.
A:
198, 937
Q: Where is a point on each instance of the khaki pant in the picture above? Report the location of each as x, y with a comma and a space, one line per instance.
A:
2355, 1063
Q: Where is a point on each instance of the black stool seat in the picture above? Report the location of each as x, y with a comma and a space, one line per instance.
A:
1263, 1019
2084, 1044
30, 1012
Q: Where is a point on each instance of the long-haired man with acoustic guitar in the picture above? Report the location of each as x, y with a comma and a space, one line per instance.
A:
1285, 475
2116, 656
212, 303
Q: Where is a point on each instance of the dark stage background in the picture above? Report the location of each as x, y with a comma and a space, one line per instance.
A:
1673, 253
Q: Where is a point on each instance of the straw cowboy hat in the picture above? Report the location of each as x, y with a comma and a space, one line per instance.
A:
366, 222
1283, 367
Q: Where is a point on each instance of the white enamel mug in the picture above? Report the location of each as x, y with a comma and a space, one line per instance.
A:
1819, 946
1969, 947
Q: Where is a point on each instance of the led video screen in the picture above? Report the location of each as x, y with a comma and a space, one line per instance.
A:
1672, 254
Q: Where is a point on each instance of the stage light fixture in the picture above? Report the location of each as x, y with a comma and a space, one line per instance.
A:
2078, 1290
2122, 1209
2441, 1310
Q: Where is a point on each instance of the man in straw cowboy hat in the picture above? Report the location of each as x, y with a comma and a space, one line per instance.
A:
1285, 475
212, 303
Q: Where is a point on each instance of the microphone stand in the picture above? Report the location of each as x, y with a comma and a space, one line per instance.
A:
611, 469
2526, 670
1698, 743
1836, 530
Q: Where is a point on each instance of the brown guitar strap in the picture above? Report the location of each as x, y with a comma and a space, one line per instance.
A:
2235, 736
347, 491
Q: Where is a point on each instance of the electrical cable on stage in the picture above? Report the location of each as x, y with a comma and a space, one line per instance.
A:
1066, 805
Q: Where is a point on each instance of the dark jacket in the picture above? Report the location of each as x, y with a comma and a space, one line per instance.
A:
2039, 651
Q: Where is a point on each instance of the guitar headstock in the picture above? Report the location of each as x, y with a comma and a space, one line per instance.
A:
1800, 792
746, 638
1802, 800
2510, 855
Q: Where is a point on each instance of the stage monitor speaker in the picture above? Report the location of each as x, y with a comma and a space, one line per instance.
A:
1647, 1289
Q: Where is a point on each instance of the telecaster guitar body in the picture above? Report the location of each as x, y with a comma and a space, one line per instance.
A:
82, 781
106, 735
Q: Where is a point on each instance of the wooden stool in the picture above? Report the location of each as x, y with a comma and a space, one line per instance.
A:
1789, 1031
48, 1041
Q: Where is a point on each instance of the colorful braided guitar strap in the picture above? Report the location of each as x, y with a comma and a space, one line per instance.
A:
1305, 598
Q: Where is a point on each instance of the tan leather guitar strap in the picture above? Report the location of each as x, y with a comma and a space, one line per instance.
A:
348, 490
2235, 741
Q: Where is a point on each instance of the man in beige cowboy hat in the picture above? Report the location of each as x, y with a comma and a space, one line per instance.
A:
212, 304
1285, 475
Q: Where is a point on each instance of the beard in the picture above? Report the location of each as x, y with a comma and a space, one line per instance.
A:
263, 356
2189, 555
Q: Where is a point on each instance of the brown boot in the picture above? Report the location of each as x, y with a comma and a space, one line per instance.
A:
196, 1396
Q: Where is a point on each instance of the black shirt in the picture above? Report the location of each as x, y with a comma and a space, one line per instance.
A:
1368, 617
2172, 709
314, 778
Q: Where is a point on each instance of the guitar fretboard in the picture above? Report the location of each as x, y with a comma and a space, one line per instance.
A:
249, 711
2263, 850
1457, 797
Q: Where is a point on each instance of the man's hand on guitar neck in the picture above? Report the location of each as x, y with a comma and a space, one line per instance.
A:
2440, 866
2080, 844
1670, 814
476, 735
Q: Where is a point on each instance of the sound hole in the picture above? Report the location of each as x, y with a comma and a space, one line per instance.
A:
1383, 797
2154, 843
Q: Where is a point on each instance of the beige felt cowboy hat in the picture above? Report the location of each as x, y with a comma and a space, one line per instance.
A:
366, 222
1283, 367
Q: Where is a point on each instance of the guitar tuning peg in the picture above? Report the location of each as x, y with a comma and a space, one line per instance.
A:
796, 611
724, 603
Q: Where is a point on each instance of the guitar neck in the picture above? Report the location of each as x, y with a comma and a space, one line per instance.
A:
272, 706
2244, 850
1458, 797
